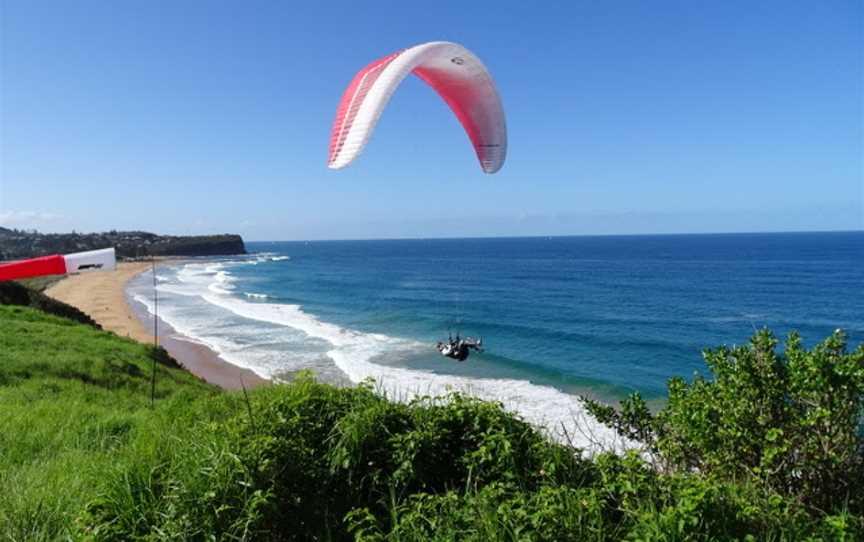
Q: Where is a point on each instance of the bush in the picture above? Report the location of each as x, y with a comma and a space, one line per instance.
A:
769, 449
788, 421
311, 454
307, 461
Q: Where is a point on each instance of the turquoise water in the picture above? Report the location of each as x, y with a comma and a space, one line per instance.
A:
559, 316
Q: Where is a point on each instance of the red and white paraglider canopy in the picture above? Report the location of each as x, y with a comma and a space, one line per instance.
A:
58, 264
456, 75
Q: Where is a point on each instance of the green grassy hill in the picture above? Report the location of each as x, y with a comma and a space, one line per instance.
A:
84, 456
75, 407
29, 294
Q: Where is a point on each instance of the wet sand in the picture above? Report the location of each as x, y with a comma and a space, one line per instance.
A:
103, 297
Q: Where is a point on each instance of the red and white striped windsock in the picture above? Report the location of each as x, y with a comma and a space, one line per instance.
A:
60, 264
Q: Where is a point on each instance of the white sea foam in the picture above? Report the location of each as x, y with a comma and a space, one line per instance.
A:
177, 290
562, 415
178, 326
292, 316
195, 272
261, 257
223, 346
144, 301
221, 283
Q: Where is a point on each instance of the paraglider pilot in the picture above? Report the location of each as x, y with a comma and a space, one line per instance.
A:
459, 349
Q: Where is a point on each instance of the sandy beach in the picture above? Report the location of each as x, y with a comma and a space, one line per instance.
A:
103, 297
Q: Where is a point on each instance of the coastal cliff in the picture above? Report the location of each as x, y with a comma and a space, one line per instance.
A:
16, 244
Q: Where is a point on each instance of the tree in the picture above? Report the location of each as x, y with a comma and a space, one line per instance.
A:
791, 421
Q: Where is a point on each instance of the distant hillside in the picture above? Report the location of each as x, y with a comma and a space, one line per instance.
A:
15, 244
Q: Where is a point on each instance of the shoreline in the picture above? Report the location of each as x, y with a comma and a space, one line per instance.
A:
103, 297
546, 407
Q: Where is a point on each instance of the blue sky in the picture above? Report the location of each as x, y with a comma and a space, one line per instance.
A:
624, 117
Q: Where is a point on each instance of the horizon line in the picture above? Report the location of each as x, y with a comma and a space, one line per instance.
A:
479, 237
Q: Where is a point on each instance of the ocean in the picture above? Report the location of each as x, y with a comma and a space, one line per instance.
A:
559, 316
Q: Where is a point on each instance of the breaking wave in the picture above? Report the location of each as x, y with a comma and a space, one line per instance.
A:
315, 343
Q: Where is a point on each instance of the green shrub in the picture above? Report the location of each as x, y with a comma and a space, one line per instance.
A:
439, 445
790, 421
769, 449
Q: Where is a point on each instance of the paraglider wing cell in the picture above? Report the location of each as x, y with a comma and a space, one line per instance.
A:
458, 76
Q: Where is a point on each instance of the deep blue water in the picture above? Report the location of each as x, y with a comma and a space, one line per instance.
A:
626, 311
605, 314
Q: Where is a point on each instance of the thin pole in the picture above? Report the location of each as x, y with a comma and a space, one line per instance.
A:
155, 307
248, 404
155, 333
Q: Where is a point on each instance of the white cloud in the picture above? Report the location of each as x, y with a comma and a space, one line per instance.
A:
27, 219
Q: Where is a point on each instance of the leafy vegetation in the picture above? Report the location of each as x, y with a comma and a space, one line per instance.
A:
752, 454
17, 244
790, 422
